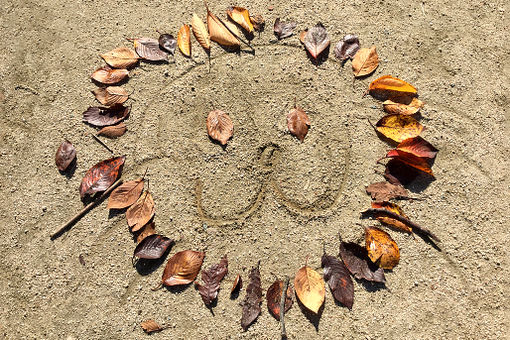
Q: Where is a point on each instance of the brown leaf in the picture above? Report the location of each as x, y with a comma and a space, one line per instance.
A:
200, 32
219, 126
152, 247
316, 40
103, 116
113, 131
101, 176
384, 191
111, 95
399, 127
121, 57
258, 22
241, 16
310, 289
391, 221
365, 62
184, 40
252, 300
150, 326
147, 230
283, 29
126, 194
298, 123
411, 160
66, 154
109, 76
338, 279
347, 47
167, 42
237, 285
149, 49
212, 278
141, 212
274, 295
410, 106
387, 87
381, 248
219, 33
418, 147
182, 268
356, 260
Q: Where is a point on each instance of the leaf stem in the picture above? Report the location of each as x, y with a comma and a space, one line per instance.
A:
282, 307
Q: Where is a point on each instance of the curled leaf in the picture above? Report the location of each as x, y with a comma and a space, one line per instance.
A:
126, 194
103, 116
121, 57
339, 280
411, 160
66, 154
152, 247
219, 33
101, 176
184, 40
212, 278
182, 268
167, 42
241, 16
258, 22
141, 212
109, 76
384, 191
111, 95
237, 284
381, 248
283, 29
407, 108
419, 147
310, 289
252, 300
219, 126
274, 295
356, 260
298, 123
399, 127
365, 62
200, 32
347, 47
316, 40
391, 221
149, 49
113, 131
387, 87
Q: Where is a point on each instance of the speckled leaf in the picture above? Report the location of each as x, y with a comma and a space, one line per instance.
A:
381, 248
253, 299
283, 29
316, 40
66, 153
167, 42
399, 127
103, 116
101, 176
339, 280
347, 47
212, 278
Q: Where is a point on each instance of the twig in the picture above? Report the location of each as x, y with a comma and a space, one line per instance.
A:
282, 307
101, 142
85, 210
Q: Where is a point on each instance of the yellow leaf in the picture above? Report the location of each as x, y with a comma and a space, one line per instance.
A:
184, 40
200, 32
388, 86
399, 127
219, 33
241, 16
381, 248
310, 288
406, 108
365, 62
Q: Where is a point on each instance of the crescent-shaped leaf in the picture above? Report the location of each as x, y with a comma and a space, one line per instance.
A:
182, 268
184, 40
101, 176
310, 288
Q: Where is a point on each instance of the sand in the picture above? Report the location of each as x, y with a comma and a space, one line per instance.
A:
266, 196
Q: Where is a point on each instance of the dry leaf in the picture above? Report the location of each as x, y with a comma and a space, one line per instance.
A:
298, 123
167, 42
399, 173
219, 33
316, 40
152, 247
252, 300
283, 29
384, 191
147, 230
419, 147
103, 116
109, 76
310, 289
347, 48
141, 212
150, 326
111, 95
219, 126
274, 295
381, 248
399, 127
339, 280
149, 49
200, 32
258, 22
411, 160
126, 194
113, 131
101, 176
406, 108
302, 36
387, 87
365, 62
356, 260
182, 268
237, 285
391, 221
66, 154
184, 40
241, 16
212, 278
121, 57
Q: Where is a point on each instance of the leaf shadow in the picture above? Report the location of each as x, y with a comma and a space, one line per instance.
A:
116, 212
224, 147
70, 170
321, 58
145, 266
311, 316
371, 286
177, 289
235, 294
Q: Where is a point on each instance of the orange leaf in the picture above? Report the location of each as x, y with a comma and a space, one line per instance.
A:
150, 326
411, 108
365, 62
182, 268
126, 194
121, 57
220, 33
310, 288
219, 126
298, 123
418, 147
109, 76
200, 32
381, 248
399, 127
147, 230
111, 95
141, 212
391, 221
113, 131
411, 160
184, 40
241, 16
388, 86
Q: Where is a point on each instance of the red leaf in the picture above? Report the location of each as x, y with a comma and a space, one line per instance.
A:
101, 176
212, 278
411, 160
339, 280
418, 147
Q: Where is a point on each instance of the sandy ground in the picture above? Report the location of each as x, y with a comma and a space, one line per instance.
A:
266, 196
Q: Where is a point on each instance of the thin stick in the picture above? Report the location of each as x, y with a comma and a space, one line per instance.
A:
282, 307
85, 210
101, 142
